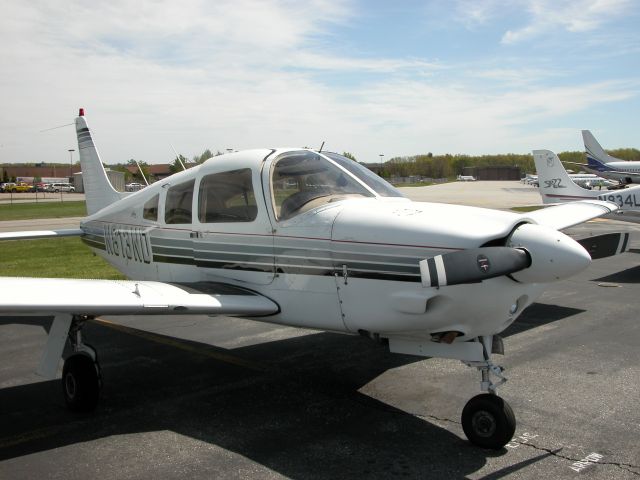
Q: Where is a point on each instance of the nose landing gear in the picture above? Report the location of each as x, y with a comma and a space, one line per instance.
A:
488, 420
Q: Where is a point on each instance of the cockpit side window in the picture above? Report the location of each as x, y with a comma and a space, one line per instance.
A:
227, 197
178, 204
303, 180
150, 209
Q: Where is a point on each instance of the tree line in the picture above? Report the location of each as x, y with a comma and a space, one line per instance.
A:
447, 166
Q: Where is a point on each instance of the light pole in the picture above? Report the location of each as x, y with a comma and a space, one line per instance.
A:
71, 150
381, 155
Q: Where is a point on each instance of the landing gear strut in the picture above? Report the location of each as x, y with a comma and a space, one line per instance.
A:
81, 375
487, 420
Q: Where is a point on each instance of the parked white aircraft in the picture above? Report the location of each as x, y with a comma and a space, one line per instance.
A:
308, 239
601, 163
556, 186
466, 178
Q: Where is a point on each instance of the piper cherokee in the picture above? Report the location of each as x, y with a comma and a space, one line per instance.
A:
311, 239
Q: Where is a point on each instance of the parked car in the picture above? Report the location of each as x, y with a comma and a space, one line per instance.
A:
19, 188
6, 187
61, 187
133, 187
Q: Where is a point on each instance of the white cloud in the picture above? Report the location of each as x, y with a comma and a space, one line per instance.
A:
570, 15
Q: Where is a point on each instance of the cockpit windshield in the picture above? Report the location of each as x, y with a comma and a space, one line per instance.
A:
373, 181
303, 180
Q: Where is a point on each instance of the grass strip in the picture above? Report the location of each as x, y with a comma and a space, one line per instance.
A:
30, 211
53, 257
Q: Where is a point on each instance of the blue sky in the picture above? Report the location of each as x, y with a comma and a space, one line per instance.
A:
368, 77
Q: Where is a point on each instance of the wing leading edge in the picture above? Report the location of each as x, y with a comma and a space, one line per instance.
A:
570, 214
50, 296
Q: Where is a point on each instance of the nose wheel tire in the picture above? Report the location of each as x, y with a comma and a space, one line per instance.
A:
488, 421
81, 383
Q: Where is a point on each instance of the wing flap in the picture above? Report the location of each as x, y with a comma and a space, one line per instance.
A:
570, 214
128, 297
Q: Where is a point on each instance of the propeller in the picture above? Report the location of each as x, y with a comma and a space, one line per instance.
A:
472, 265
533, 254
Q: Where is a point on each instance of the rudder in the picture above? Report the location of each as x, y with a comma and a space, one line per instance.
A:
99, 192
554, 183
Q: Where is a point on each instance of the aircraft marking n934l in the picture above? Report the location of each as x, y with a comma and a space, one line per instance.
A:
310, 239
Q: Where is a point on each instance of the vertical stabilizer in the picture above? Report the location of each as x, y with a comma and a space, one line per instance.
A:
97, 188
595, 153
554, 182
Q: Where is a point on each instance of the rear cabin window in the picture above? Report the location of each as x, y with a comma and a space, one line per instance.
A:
227, 197
150, 210
178, 205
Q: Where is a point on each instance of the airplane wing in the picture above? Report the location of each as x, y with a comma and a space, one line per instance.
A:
570, 214
128, 297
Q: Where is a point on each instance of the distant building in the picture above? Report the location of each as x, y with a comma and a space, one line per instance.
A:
52, 171
159, 171
493, 173
116, 178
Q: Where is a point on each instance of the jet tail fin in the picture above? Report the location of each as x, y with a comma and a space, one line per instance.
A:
99, 192
555, 184
596, 156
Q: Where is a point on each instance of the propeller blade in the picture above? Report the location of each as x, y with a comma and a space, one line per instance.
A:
472, 266
606, 245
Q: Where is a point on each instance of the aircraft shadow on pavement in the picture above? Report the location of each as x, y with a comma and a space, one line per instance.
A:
630, 275
293, 408
537, 315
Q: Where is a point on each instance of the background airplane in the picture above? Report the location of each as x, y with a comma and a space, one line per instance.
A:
601, 163
308, 239
556, 186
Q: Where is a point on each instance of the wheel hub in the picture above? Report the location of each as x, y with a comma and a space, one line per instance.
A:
484, 424
70, 386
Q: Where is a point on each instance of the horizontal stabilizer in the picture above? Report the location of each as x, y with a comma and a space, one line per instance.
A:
607, 245
33, 234
47, 296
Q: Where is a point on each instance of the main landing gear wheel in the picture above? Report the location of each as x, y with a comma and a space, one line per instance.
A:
488, 421
81, 382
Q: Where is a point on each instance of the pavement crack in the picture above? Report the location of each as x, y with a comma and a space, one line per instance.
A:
433, 417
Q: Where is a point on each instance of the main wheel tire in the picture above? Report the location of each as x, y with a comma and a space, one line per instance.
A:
488, 421
81, 383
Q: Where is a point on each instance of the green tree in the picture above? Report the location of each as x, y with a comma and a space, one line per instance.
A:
144, 166
349, 156
176, 167
204, 156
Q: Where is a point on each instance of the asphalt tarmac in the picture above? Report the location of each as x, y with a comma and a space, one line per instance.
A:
201, 397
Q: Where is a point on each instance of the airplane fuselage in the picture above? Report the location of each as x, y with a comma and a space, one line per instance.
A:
625, 172
320, 264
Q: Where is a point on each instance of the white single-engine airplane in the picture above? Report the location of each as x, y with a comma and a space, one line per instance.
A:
309, 239
557, 186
